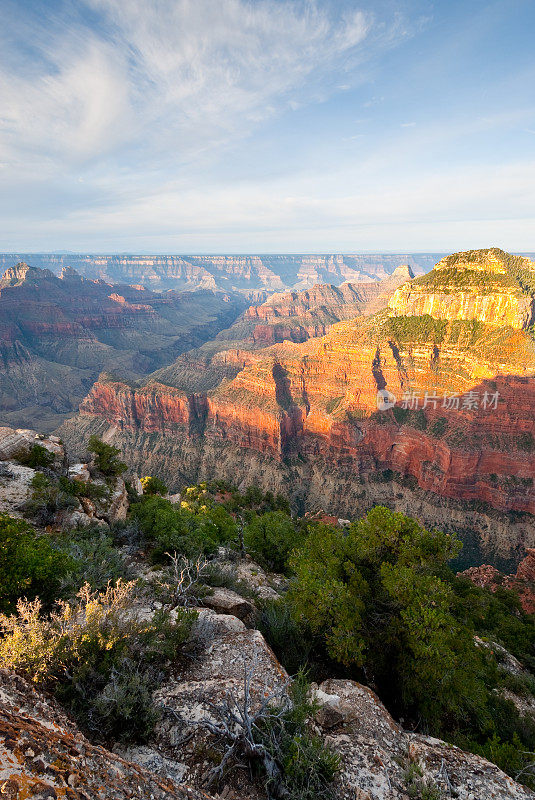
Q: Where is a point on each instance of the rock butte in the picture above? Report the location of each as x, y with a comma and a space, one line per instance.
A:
301, 417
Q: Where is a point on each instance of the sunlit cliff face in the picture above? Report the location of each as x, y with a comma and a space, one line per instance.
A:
461, 425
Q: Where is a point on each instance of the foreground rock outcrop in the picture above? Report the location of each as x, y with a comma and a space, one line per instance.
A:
20, 498
378, 759
381, 761
43, 755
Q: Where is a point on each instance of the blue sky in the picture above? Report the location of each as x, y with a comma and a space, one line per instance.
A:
267, 125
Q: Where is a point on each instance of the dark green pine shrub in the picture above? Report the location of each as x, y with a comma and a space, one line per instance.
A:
38, 457
106, 457
29, 564
382, 602
270, 538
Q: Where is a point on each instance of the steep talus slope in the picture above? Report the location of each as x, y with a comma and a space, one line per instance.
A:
303, 417
57, 334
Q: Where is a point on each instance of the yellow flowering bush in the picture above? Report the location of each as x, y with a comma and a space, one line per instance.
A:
95, 648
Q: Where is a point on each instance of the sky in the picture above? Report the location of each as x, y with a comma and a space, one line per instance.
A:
205, 126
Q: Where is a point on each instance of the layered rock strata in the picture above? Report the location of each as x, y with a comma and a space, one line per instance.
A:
246, 273
454, 443
58, 334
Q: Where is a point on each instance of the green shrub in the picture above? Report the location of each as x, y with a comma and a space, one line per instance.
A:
308, 766
153, 485
291, 643
94, 491
46, 499
85, 651
252, 501
168, 528
417, 787
123, 710
377, 595
418, 420
387, 607
37, 457
93, 557
106, 457
526, 442
270, 539
214, 577
29, 565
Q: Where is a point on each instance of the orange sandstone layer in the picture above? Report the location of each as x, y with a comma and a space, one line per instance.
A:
484, 455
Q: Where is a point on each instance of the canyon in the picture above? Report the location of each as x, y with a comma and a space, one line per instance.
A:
246, 273
454, 445
58, 333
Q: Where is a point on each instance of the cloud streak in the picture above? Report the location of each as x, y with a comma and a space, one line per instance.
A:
255, 124
170, 78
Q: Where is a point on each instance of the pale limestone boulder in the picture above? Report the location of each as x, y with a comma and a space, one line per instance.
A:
13, 441
67, 519
151, 760
254, 577
225, 601
15, 488
210, 626
216, 670
466, 776
376, 752
117, 508
79, 472
137, 485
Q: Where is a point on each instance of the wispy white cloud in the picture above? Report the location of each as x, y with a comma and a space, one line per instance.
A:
463, 203
128, 124
76, 110
171, 78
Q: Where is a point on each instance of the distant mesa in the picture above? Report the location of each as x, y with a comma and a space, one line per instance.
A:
22, 273
249, 274
487, 286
